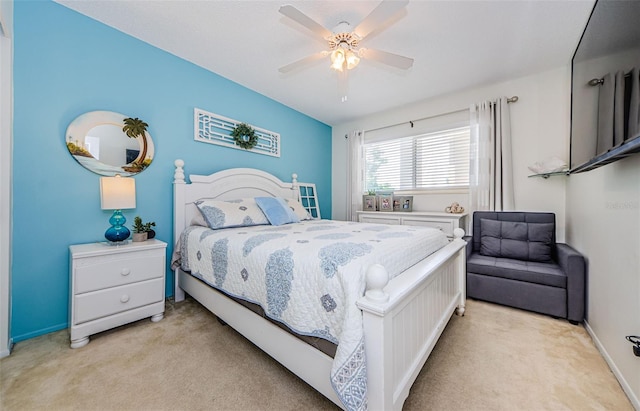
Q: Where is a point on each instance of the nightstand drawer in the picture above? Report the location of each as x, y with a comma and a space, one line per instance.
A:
98, 304
96, 275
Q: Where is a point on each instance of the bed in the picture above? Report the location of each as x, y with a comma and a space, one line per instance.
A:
400, 312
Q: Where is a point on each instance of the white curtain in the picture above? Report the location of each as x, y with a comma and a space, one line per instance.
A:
491, 168
612, 109
355, 182
611, 112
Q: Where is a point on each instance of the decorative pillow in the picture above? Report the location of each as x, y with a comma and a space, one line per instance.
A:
299, 209
235, 213
517, 240
276, 210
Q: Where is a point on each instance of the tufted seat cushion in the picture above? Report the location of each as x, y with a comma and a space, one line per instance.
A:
530, 271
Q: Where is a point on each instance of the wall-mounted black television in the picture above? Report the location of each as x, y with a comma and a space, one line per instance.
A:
605, 87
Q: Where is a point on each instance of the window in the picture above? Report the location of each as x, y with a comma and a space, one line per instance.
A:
434, 160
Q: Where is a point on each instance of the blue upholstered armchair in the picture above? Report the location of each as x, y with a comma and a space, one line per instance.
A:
513, 259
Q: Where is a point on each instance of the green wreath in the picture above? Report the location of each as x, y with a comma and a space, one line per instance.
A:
244, 136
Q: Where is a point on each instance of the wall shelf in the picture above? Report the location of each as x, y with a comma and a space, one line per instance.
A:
626, 149
547, 175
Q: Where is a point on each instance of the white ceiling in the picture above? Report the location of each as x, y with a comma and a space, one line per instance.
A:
455, 44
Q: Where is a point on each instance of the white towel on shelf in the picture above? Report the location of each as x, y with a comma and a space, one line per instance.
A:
549, 165
634, 105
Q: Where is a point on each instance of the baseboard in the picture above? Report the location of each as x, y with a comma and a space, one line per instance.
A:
621, 380
19, 338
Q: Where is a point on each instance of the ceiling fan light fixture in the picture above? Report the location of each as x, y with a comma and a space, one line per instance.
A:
344, 42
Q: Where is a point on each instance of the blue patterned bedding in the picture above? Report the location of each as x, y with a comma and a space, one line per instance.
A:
309, 275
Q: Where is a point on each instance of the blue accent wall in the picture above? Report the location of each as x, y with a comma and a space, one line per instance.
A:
66, 64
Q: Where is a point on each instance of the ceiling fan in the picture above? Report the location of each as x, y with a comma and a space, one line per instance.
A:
343, 42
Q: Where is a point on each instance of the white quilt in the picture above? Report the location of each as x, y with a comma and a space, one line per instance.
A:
309, 276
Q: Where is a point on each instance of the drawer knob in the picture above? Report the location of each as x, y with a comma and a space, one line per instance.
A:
125, 271
124, 298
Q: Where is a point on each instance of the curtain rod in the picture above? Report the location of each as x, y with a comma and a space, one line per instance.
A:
598, 81
509, 100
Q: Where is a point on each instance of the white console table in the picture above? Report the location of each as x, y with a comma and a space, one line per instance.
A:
445, 222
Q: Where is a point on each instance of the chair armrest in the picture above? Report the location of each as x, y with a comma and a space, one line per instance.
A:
469, 247
572, 264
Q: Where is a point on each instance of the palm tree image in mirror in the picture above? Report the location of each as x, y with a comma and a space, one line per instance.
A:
134, 128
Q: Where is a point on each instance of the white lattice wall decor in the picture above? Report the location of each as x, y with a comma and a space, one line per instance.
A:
308, 197
215, 129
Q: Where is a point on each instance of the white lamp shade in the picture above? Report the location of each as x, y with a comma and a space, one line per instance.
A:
117, 193
352, 60
337, 59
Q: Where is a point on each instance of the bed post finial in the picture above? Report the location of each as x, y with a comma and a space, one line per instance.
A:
178, 175
294, 181
377, 278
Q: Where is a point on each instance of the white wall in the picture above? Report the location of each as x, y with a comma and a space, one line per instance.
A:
6, 98
540, 129
603, 220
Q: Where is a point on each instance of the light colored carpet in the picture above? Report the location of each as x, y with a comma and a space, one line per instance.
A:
493, 358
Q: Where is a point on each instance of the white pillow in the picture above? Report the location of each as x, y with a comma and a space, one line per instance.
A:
234, 213
198, 219
299, 209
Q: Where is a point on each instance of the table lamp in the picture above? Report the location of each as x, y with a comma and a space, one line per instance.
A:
117, 193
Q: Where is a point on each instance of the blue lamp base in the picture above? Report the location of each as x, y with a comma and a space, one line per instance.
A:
117, 233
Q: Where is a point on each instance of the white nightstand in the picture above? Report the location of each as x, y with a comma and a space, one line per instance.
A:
114, 285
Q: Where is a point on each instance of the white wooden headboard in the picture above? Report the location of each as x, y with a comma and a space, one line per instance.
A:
230, 184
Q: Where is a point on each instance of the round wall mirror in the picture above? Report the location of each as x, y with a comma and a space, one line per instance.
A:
110, 143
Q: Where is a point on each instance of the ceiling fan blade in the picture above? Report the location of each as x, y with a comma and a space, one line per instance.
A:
303, 62
378, 16
301, 18
387, 58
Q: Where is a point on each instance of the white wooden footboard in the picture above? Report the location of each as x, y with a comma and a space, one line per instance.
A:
404, 321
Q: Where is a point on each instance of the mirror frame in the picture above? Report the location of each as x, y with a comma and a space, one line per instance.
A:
80, 127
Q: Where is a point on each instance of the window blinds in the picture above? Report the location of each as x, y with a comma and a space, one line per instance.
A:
427, 159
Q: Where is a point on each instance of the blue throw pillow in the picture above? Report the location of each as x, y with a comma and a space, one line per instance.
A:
276, 210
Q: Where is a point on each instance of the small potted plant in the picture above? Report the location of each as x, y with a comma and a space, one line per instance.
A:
150, 231
139, 230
